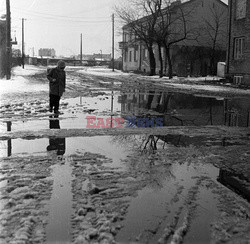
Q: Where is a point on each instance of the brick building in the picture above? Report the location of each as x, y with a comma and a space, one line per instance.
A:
191, 56
238, 59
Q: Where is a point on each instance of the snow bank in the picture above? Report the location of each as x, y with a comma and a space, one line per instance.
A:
183, 79
28, 70
19, 84
101, 71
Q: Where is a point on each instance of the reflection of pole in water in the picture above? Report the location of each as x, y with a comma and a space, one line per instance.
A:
9, 150
112, 100
80, 100
111, 121
9, 125
9, 146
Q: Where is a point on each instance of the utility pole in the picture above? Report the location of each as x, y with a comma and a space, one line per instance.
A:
8, 41
23, 54
230, 4
81, 49
113, 42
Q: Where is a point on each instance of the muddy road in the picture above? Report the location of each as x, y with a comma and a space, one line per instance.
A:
130, 160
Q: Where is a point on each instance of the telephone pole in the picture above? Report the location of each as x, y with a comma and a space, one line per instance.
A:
8, 41
23, 54
81, 49
113, 42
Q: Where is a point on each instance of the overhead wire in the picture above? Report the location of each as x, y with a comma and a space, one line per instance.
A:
35, 13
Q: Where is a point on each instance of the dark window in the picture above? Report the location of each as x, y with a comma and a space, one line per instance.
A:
130, 56
238, 47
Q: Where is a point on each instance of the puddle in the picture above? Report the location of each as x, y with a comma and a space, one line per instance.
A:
60, 205
74, 115
186, 109
173, 108
105, 145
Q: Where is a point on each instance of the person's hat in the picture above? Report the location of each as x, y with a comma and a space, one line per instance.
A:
61, 64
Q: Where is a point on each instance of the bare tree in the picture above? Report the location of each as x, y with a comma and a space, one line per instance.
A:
140, 19
173, 26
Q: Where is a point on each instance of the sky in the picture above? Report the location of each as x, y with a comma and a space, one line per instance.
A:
58, 24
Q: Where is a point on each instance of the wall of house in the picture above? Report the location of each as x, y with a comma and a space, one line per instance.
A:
208, 13
240, 28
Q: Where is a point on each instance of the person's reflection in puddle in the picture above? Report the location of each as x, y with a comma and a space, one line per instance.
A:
56, 144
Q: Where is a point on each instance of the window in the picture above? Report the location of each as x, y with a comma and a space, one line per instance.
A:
144, 53
125, 55
238, 79
130, 56
135, 55
125, 37
241, 6
130, 37
238, 47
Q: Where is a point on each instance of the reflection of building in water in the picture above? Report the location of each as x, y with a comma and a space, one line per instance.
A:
56, 143
237, 112
186, 109
235, 182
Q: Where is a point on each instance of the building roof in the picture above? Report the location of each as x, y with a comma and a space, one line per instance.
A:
173, 6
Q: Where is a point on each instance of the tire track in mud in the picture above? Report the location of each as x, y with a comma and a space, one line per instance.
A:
24, 197
99, 200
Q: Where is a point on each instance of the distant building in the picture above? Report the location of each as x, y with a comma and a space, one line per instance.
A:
86, 57
47, 52
102, 57
96, 56
2, 48
238, 58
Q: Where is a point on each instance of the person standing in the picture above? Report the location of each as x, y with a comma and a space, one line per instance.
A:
57, 81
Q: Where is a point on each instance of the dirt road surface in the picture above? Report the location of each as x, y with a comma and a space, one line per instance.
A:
116, 178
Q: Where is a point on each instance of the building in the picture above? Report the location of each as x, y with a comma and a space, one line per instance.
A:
196, 55
96, 56
102, 56
238, 58
47, 52
2, 48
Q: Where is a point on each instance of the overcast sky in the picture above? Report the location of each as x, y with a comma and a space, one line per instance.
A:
58, 24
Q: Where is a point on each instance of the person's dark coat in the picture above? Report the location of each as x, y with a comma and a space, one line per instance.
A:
56, 87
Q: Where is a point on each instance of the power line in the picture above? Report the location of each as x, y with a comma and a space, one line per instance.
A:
44, 18
53, 15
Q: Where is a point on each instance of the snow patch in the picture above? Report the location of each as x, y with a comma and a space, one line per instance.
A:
102, 72
28, 70
19, 84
